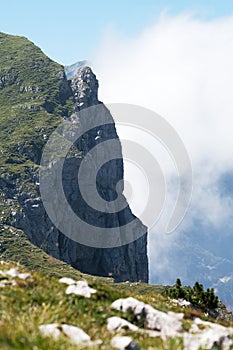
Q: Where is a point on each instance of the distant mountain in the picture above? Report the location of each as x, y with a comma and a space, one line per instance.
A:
197, 257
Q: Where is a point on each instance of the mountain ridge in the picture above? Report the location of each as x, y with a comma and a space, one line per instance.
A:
35, 97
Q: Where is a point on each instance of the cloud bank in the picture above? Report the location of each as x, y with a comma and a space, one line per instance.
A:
182, 68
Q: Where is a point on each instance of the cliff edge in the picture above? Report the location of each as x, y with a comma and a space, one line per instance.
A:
35, 98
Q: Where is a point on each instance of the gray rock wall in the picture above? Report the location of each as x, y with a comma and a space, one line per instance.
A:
126, 262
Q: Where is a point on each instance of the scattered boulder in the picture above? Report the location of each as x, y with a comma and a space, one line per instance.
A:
67, 280
80, 288
181, 302
75, 334
15, 273
116, 323
6, 275
124, 343
169, 324
50, 330
207, 335
7, 283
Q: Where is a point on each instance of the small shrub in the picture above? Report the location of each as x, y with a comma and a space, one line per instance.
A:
200, 298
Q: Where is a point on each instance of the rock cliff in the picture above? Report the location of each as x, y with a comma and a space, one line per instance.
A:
39, 98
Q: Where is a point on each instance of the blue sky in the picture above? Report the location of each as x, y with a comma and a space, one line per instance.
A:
72, 30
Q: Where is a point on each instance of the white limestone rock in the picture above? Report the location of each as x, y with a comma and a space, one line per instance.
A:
11, 273
181, 302
67, 280
80, 288
15, 273
123, 343
7, 283
165, 325
116, 323
207, 335
50, 330
168, 324
75, 334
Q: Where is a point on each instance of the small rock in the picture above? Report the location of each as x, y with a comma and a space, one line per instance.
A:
7, 283
116, 323
126, 305
124, 343
67, 280
15, 273
75, 334
23, 276
50, 330
181, 302
80, 288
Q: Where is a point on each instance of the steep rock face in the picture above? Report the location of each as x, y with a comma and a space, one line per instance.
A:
126, 262
35, 94
85, 88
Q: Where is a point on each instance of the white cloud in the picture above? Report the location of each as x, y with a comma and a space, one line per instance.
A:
182, 68
225, 279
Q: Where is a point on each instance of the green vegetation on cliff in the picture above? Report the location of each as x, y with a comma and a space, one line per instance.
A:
34, 96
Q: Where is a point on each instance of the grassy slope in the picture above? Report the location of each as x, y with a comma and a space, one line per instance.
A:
42, 299
31, 83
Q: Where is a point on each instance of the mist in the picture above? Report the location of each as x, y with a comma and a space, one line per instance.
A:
181, 68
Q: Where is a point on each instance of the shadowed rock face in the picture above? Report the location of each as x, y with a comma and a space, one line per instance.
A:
127, 262
124, 263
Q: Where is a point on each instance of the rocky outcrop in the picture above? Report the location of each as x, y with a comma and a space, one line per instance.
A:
126, 262
73, 68
7, 78
85, 88
199, 333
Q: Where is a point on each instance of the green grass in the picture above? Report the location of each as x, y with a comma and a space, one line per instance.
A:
33, 101
34, 98
42, 299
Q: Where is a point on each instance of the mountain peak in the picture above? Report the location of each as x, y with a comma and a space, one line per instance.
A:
72, 69
85, 87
